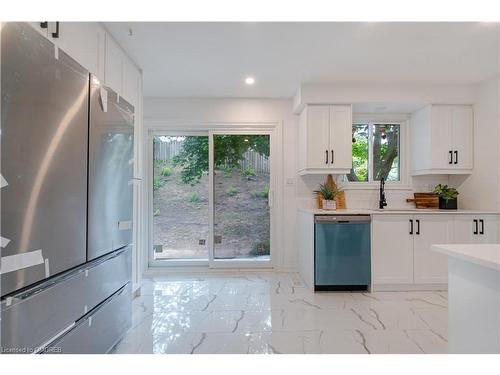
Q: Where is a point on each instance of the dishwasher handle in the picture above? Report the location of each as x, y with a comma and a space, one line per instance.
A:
342, 219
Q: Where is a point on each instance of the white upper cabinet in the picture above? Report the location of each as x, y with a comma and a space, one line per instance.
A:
113, 70
325, 137
442, 140
85, 42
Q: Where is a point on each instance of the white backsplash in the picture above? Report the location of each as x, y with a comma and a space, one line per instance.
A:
368, 198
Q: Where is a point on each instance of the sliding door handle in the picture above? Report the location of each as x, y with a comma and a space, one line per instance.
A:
333, 156
476, 229
456, 157
451, 157
326, 161
411, 226
418, 227
481, 231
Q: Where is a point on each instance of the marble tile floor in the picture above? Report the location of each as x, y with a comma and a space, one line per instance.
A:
275, 313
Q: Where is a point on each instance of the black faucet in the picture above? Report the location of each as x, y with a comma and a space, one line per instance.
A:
382, 201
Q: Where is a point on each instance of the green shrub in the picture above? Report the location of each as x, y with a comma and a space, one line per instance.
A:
260, 248
195, 198
157, 183
249, 172
228, 172
232, 191
260, 194
166, 171
156, 212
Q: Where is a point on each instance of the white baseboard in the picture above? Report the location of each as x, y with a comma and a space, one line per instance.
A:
408, 287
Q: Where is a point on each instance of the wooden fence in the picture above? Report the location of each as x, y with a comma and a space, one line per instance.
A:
165, 151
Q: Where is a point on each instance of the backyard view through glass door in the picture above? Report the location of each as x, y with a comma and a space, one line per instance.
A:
181, 228
241, 181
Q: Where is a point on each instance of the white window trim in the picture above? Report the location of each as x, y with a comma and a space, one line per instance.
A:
403, 121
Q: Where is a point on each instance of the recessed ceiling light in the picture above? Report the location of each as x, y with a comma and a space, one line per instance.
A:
249, 80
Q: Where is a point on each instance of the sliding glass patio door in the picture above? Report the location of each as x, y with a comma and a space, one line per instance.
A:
241, 193
211, 195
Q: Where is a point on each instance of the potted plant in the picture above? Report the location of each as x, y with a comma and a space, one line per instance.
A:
328, 194
447, 197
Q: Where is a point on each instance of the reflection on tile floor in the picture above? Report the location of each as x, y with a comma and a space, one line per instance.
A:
275, 313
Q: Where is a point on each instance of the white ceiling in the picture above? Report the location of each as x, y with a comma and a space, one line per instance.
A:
212, 59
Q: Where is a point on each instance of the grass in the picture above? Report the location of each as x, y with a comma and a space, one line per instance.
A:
195, 198
232, 191
156, 212
260, 194
249, 172
166, 171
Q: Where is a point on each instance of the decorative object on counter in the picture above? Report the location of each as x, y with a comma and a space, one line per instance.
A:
328, 194
425, 200
339, 199
447, 197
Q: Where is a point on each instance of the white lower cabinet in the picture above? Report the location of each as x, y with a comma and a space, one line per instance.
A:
392, 250
401, 245
430, 267
476, 229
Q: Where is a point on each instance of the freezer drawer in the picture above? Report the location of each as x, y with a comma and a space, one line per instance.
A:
100, 330
111, 167
44, 155
37, 315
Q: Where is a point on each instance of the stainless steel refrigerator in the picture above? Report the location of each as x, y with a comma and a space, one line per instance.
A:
66, 201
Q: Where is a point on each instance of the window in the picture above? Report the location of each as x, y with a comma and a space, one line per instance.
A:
375, 152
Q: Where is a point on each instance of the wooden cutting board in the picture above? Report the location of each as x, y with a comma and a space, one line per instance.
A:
340, 199
425, 200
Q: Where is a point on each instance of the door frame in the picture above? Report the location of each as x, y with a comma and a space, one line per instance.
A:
175, 127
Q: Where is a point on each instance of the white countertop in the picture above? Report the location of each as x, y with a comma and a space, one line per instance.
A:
486, 255
386, 211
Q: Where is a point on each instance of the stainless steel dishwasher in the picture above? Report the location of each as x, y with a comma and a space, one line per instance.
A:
342, 252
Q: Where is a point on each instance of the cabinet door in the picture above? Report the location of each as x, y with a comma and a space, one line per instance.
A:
462, 136
488, 229
392, 249
341, 136
113, 68
441, 137
318, 132
464, 229
84, 42
131, 82
430, 267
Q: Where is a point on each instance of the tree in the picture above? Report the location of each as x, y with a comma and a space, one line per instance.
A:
385, 149
229, 150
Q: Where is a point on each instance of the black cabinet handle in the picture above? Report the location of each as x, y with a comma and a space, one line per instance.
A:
326, 162
44, 24
456, 157
56, 34
332, 157
476, 230
418, 226
451, 157
482, 226
411, 226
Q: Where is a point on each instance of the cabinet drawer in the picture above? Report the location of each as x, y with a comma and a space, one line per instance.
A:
101, 329
33, 317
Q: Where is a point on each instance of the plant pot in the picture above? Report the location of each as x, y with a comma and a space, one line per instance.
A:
329, 204
448, 204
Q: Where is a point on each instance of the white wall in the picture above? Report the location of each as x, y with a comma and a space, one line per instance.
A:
481, 190
476, 191
193, 111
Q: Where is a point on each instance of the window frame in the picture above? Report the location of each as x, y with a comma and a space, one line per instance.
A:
378, 118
